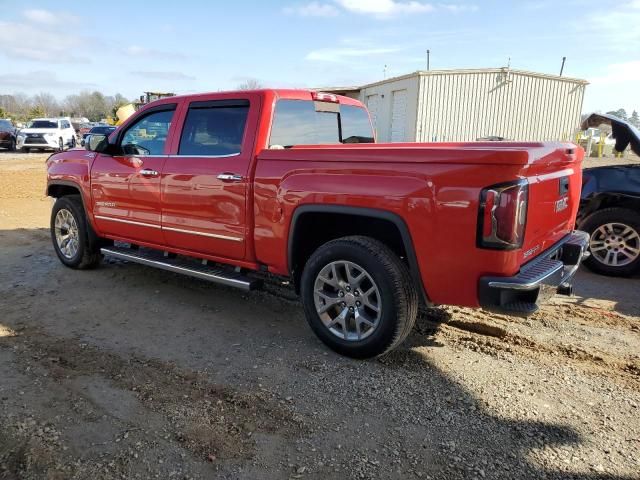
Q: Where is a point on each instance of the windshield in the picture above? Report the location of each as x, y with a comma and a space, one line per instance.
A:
44, 124
298, 122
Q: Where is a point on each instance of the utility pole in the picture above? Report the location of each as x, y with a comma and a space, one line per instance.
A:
562, 67
384, 72
428, 59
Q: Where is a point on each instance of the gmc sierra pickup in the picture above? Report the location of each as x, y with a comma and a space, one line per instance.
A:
222, 185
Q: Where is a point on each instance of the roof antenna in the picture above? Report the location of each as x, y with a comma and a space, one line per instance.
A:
562, 67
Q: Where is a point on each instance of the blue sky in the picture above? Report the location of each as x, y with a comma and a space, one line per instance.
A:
65, 46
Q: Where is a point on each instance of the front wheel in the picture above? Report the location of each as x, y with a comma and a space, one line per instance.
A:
614, 241
12, 145
70, 234
358, 297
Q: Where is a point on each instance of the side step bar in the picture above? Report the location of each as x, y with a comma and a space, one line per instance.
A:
154, 258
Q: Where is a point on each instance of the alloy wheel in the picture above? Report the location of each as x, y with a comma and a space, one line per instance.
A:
66, 232
347, 300
615, 244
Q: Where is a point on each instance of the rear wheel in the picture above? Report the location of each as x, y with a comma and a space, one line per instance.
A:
60, 144
614, 241
25, 150
358, 297
70, 234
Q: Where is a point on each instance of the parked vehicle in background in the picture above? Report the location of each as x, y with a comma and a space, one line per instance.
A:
289, 182
100, 129
77, 123
47, 133
85, 128
610, 205
7, 135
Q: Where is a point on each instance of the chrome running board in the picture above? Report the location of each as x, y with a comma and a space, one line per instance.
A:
157, 259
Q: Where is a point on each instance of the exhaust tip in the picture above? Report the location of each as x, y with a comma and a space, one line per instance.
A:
565, 289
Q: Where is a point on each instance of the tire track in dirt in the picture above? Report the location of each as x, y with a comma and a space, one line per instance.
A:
489, 338
212, 422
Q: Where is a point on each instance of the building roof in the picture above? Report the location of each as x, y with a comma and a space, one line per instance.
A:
469, 71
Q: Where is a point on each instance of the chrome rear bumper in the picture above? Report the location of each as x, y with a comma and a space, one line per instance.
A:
549, 273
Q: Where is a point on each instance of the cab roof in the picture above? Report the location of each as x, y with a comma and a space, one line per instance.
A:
279, 93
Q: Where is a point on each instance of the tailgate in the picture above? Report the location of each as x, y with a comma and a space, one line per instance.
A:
555, 179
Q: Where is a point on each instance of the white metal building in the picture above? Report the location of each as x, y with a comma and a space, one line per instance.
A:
464, 105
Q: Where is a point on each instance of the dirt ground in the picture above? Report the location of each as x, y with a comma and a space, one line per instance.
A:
128, 372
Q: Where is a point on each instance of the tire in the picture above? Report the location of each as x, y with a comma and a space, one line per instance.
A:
614, 234
12, 145
60, 145
68, 217
25, 150
395, 296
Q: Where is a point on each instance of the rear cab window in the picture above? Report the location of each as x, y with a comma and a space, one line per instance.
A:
308, 122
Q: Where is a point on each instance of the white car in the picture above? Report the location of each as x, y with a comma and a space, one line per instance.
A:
47, 133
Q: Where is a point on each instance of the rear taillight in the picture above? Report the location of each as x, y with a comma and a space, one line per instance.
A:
503, 215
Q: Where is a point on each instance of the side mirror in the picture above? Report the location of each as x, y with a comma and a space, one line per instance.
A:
96, 142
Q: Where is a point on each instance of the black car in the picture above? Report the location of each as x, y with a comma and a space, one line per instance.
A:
610, 205
101, 129
7, 135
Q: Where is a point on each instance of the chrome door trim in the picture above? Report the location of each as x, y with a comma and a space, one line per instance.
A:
227, 155
203, 234
131, 222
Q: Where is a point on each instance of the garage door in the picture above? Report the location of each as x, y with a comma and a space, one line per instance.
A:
373, 105
398, 116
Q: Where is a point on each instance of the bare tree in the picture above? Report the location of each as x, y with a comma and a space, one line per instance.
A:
250, 84
47, 103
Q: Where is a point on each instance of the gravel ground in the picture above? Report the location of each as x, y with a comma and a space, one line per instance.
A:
129, 372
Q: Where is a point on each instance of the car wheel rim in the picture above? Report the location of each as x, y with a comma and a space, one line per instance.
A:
615, 244
66, 232
347, 300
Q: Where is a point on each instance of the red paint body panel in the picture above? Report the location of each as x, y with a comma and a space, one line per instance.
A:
434, 188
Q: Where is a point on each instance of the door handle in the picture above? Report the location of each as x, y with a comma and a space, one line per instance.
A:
147, 172
230, 177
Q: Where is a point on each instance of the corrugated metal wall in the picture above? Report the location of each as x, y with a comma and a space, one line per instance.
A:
516, 105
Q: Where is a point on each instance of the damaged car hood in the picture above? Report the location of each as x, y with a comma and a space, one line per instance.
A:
624, 133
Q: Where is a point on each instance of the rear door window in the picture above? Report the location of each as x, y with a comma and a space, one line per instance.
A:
299, 122
214, 128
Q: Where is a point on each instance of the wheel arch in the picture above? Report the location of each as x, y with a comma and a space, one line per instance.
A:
63, 188
361, 221
608, 200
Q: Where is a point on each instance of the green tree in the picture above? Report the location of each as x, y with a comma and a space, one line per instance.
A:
634, 119
2, 113
36, 112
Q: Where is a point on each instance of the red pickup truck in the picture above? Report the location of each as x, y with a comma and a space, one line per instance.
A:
291, 182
